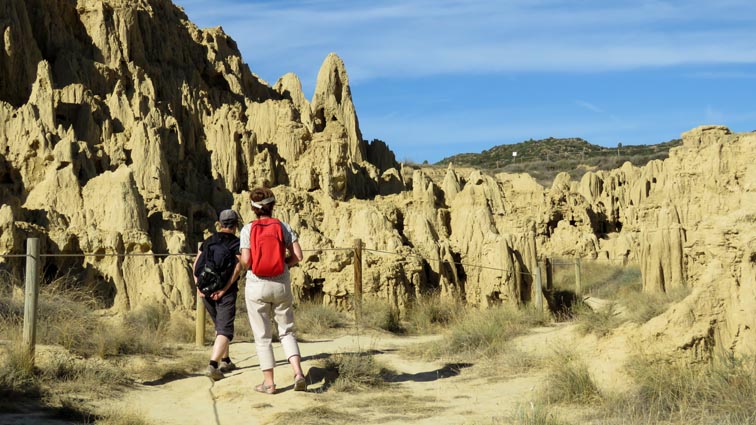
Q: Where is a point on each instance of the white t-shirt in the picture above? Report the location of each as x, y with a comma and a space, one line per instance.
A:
289, 235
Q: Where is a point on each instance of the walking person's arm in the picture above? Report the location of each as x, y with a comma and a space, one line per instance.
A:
194, 267
246, 258
295, 252
237, 270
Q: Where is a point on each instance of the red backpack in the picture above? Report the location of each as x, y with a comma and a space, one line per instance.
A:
267, 247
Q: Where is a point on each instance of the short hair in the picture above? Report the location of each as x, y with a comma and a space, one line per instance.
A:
229, 219
229, 225
261, 194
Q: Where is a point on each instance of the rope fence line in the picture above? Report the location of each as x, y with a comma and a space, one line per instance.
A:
191, 255
33, 258
440, 260
82, 255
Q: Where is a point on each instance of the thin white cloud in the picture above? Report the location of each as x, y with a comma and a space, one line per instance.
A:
589, 106
423, 38
722, 75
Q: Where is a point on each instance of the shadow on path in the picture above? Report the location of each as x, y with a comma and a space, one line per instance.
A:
447, 371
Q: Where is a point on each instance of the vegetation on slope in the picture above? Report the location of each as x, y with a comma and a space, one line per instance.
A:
544, 159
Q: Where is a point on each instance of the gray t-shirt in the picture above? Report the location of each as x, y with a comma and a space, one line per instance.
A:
289, 238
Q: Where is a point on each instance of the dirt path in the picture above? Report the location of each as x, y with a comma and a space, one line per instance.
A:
419, 393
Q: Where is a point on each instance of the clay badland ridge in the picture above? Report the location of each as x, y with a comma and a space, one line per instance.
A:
124, 128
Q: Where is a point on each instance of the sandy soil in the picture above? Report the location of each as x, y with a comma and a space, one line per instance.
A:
419, 393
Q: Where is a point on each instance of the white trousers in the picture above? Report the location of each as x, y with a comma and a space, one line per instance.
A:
266, 299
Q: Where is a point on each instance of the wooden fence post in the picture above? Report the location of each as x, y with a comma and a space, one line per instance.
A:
358, 280
578, 277
539, 289
199, 328
31, 293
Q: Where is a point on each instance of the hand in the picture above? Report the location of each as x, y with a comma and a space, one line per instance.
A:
200, 294
215, 296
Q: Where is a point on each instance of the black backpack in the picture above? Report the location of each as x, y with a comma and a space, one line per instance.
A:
214, 266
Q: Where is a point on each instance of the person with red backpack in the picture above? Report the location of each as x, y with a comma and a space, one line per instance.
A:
264, 245
216, 269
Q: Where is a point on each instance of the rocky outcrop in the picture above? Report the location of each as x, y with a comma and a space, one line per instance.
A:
124, 129
131, 104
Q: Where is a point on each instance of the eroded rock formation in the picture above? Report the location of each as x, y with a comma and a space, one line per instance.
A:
124, 129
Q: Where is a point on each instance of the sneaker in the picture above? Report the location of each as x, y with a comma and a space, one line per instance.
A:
214, 373
226, 367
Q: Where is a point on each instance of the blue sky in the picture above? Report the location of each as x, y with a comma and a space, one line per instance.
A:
437, 78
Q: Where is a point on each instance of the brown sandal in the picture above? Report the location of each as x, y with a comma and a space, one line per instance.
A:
265, 389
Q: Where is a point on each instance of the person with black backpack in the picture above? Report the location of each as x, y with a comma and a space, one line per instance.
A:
264, 243
216, 269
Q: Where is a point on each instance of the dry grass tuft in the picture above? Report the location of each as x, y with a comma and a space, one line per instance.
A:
431, 313
318, 319
159, 369
316, 415
534, 414
122, 416
597, 322
17, 379
722, 391
508, 363
622, 288
66, 317
355, 371
181, 328
399, 406
643, 306
568, 381
482, 333
378, 314
599, 278
63, 374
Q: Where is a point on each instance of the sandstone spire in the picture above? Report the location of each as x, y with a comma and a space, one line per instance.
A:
332, 105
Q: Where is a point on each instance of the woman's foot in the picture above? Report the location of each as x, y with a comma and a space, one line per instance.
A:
300, 383
265, 389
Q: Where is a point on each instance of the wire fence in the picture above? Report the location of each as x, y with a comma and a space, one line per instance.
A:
192, 255
33, 265
549, 265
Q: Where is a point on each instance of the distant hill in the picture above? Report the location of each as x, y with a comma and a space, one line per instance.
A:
552, 149
545, 158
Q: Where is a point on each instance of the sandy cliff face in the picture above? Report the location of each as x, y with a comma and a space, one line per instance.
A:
125, 129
